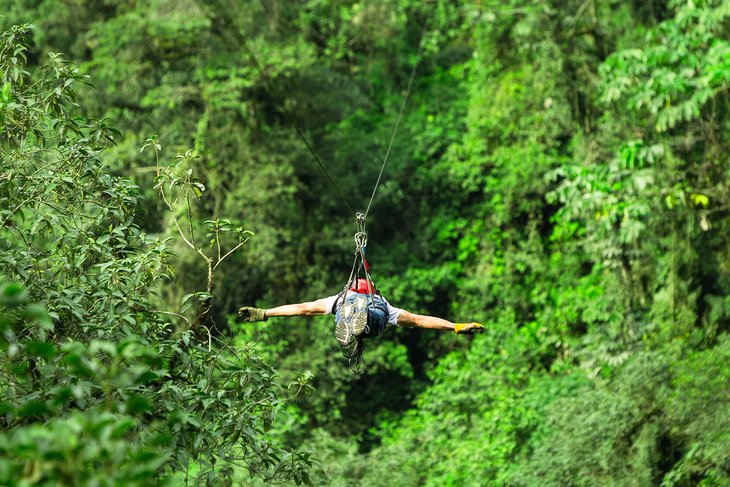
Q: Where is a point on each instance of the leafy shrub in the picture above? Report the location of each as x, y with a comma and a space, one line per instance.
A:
98, 386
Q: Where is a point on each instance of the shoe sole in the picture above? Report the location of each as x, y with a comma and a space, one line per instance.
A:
343, 335
342, 330
360, 317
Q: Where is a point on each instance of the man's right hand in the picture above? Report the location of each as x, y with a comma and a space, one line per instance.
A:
468, 328
252, 315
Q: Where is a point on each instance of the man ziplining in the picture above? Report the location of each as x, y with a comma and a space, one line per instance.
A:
360, 312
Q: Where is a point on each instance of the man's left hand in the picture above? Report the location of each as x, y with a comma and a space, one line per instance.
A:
468, 328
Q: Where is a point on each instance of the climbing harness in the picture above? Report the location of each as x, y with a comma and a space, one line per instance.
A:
354, 312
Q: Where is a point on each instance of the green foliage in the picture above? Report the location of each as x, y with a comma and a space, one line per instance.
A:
682, 67
560, 174
102, 388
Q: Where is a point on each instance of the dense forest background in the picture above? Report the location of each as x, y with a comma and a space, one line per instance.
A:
560, 174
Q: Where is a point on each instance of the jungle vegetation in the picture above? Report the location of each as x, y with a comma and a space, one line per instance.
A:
560, 175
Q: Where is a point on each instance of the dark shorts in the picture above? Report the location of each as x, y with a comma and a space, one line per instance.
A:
377, 318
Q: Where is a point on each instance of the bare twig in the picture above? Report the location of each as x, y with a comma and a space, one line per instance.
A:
218, 243
240, 244
210, 337
174, 314
190, 217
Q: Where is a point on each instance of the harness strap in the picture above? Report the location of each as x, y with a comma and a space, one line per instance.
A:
341, 296
354, 355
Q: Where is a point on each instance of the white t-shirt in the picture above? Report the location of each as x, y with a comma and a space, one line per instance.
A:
393, 312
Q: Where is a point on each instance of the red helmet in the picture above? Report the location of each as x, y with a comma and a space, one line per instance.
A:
361, 286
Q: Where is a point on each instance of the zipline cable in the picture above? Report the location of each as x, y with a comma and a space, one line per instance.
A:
400, 115
294, 123
270, 88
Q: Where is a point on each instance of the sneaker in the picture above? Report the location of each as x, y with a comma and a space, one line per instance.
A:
342, 330
359, 320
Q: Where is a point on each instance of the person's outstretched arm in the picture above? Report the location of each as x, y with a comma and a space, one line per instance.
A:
312, 308
406, 318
